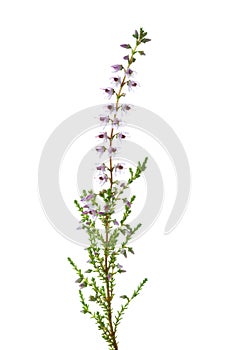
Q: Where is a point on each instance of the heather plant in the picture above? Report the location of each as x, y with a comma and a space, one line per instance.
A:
109, 235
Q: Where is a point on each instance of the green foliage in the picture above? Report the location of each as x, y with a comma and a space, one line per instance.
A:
140, 168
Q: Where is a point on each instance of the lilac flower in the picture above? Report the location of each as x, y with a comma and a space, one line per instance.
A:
125, 46
101, 149
126, 57
111, 107
128, 204
121, 136
125, 107
117, 67
103, 179
109, 91
104, 119
116, 122
132, 84
112, 150
116, 222
93, 212
103, 135
101, 167
109, 276
119, 266
116, 81
118, 167
129, 72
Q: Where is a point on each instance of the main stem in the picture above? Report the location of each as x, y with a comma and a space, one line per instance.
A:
109, 292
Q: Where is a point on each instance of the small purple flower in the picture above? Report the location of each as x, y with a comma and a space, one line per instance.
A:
112, 150
101, 149
116, 122
125, 46
128, 204
132, 84
117, 67
103, 135
119, 266
101, 167
126, 57
93, 212
109, 92
129, 72
125, 107
116, 222
121, 136
109, 276
116, 81
103, 179
104, 119
118, 167
111, 107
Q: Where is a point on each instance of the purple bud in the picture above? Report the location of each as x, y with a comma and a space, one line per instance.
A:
126, 57
83, 285
87, 198
128, 204
106, 208
117, 67
116, 222
125, 46
109, 276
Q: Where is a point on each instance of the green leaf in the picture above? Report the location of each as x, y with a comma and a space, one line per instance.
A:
145, 40
135, 35
130, 249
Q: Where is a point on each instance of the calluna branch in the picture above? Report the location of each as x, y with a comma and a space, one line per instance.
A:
99, 209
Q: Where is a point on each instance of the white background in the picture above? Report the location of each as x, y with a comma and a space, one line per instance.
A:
55, 57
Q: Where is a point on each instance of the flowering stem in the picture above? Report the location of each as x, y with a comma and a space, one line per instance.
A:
102, 250
106, 251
